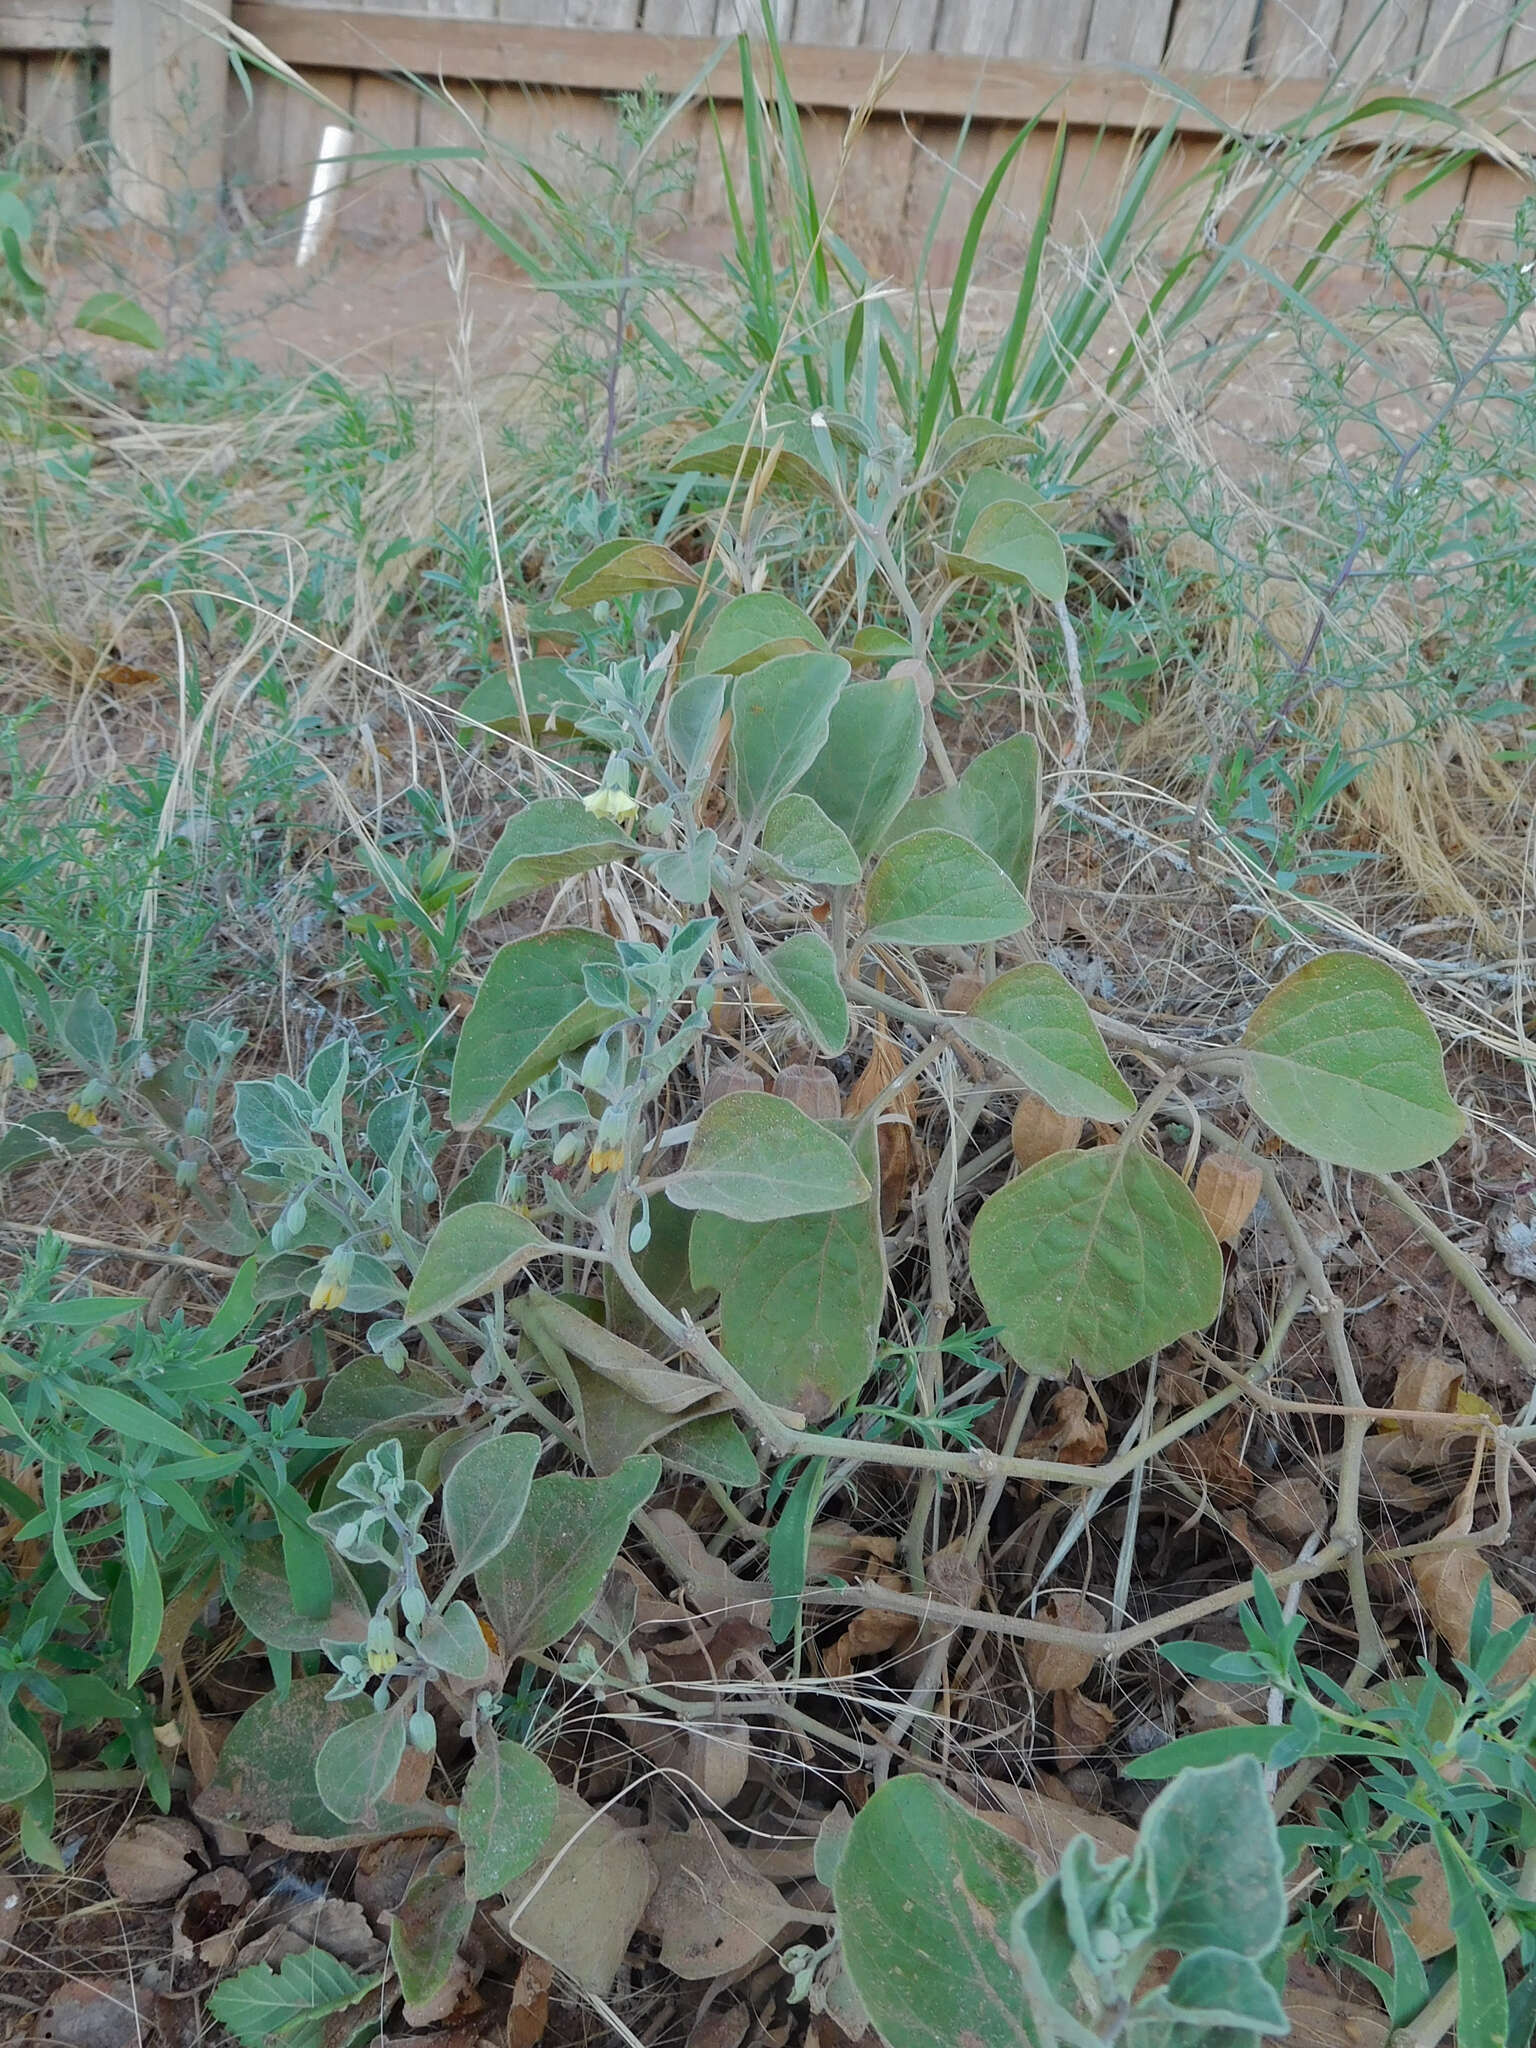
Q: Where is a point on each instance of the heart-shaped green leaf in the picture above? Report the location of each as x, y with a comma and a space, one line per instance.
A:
546, 690
548, 842
1343, 1063
260, 1594
779, 715
1095, 1259
476, 1249
485, 1494
694, 712
802, 843
872, 759
22, 1763
359, 1762
505, 1815
621, 568
937, 889
452, 1642
758, 1157
531, 1007
427, 1930
537, 1589
1034, 1022
802, 972
738, 447
969, 440
1010, 543
754, 628
925, 1895
800, 1302
994, 805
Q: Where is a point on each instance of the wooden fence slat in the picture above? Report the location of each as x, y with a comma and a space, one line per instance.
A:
1378, 38
898, 25
1050, 31
1462, 45
165, 118
973, 28
837, 23
1211, 35
1127, 35
1296, 38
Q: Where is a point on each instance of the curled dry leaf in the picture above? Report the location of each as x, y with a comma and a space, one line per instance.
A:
1044, 1826
1072, 1436
725, 2027
455, 2000
1292, 1509
385, 1870
1428, 1922
1449, 1582
1061, 1667
153, 1860
872, 1632
812, 1087
1213, 1458
712, 1910
1081, 1725
1227, 1192
207, 1921
898, 1150
340, 1926
713, 1589
1039, 1131
412, 1778
528, 2013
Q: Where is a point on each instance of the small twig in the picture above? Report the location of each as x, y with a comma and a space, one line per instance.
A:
144, 1254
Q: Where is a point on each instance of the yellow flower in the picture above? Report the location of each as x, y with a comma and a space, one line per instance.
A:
605, 1158
330, 1290
616, 805
382, 1662
85, 1119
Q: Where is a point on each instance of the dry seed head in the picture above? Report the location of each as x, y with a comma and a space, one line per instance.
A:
1227, 1190
811, 1087
731, 1077
1039, 1130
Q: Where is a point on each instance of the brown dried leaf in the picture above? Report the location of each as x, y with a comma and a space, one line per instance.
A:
1431, 1385
1073, 1436
1212, 1703
1059, 1667
1045, 1826
1321, 2018
962, 991
153, 1860
385, 1870
207, 1918
412, 1778
1081, 1725
712, 1910
715, 1591
893, 1136
1449, 1582
1292, 1509
339, 1926
528, 2014
871, 1633
1213, 1458
94, 2012
580, 1904
1429, 1912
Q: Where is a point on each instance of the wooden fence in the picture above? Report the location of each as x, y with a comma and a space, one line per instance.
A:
146, 86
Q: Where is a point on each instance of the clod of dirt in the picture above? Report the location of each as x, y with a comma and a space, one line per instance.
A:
94, 2012
1514, 1237
153, 1860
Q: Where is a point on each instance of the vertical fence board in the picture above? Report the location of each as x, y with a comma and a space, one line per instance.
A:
1210, 35
973, 28
897, 25
838, 23
382, 199
1127, 35
1378, 38
1296, 38
1462, 44
1049, 31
